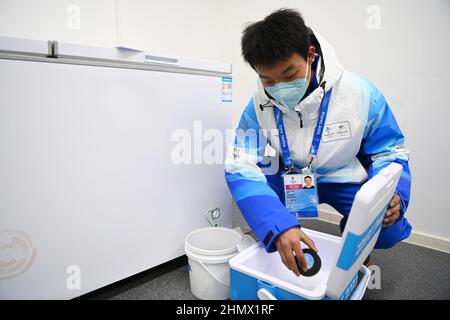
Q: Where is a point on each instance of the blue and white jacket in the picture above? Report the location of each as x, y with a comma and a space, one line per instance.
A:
361, 137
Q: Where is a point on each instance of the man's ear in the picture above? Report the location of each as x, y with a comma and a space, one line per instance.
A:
311, 54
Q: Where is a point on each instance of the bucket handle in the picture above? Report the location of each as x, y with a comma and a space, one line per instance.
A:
246, 242
213, 275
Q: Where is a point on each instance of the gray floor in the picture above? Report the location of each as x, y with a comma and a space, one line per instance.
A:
407, 272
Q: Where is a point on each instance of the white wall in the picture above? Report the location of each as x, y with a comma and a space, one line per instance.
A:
407, 58
91, 22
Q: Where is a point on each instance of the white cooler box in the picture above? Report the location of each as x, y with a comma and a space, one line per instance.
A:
256, 274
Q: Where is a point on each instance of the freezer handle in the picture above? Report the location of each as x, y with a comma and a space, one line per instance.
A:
159, 60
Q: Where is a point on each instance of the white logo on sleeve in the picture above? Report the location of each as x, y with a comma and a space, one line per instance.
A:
337, 131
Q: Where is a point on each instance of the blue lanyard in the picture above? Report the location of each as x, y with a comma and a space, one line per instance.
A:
289, 164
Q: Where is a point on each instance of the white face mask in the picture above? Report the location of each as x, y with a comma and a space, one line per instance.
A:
290, 93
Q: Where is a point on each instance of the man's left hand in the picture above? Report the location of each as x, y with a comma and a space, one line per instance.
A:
393, 213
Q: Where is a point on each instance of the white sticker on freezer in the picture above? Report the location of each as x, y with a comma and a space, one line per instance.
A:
227, 89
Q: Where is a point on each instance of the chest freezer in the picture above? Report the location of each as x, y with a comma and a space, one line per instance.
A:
104, 166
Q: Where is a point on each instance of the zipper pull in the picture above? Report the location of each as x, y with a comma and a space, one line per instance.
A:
300, 116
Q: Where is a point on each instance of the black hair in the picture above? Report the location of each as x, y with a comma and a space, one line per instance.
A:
277, 37
307, 177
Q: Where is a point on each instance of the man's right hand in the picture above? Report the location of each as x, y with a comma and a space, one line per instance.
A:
288, 242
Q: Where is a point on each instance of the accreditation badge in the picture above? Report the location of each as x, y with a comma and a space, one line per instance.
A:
300, 192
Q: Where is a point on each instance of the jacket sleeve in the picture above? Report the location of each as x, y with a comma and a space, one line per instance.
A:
258, 202
383, 143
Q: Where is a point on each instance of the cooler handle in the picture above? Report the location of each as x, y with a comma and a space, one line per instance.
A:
264, 291
264, 294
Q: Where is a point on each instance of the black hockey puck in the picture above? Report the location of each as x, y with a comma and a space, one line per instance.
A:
312, 260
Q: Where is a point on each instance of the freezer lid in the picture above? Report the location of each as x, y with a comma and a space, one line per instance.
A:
19, 46
119, 57
147, 59
361, 232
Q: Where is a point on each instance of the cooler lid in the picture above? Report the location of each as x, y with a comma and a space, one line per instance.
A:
361, 232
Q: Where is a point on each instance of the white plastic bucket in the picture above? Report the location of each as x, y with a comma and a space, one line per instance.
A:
208, 251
